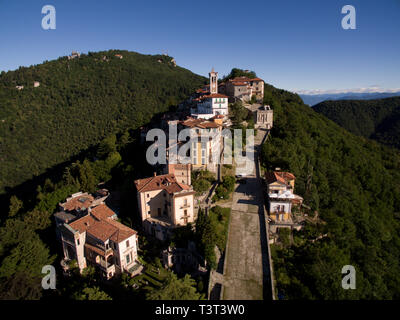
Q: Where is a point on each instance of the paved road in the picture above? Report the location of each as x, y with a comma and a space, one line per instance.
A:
246, 270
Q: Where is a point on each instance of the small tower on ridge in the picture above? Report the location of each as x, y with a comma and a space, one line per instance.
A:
213, 81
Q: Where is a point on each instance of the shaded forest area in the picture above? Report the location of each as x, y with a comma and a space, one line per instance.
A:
374, 119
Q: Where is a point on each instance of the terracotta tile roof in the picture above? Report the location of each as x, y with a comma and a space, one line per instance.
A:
78, 203
214, 95
245, 79
102, 230
102, 212
123, 232
200, 123
278, 176
101, 226
82, 224
165, 182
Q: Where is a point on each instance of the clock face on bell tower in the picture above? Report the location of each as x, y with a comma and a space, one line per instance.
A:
213, 81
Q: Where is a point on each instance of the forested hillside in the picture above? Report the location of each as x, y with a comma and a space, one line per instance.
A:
375, 119
79, 102
354, 185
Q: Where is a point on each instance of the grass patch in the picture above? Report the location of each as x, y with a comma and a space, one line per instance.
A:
220, 219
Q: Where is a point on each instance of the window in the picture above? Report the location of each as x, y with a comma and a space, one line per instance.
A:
77, 241
148, 195
127, 243
185, 213
159, 212
128, 259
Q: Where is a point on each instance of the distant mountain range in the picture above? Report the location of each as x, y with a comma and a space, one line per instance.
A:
377, 119
313, 99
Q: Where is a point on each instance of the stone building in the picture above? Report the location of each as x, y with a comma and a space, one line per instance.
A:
182, 172
243, 88
264, 117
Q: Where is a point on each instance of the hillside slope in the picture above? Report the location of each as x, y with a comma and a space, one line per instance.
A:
375, 119
354, 185
79, 102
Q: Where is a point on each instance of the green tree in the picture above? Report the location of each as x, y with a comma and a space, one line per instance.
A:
175, 289
15, 206
91, 293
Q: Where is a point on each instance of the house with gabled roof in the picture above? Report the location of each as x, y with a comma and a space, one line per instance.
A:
164, 204
243, 88
91, 235
280, 187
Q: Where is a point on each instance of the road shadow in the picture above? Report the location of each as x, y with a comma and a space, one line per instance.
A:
267, 294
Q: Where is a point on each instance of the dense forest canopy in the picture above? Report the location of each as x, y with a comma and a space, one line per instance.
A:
375, 119
353, 185
79, 102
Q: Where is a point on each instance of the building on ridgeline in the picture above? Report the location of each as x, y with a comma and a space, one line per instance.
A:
244, 88
208, 102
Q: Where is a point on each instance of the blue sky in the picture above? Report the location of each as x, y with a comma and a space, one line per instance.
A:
295, 45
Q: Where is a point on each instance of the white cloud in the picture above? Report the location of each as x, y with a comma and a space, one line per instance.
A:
370, 89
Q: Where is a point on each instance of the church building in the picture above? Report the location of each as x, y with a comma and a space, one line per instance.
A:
210, 103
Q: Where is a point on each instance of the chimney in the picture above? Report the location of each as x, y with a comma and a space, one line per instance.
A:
155, 174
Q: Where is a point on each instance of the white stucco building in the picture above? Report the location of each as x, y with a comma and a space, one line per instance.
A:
212, 103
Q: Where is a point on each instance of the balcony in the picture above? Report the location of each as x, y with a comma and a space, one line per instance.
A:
185, 206
107, 266
98, 249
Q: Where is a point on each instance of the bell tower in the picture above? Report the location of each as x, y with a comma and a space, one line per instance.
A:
213, 81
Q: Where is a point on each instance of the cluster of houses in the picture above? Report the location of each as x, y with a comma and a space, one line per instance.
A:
88, 229
212, 100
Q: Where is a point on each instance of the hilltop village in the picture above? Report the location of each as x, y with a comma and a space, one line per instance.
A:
178, 195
